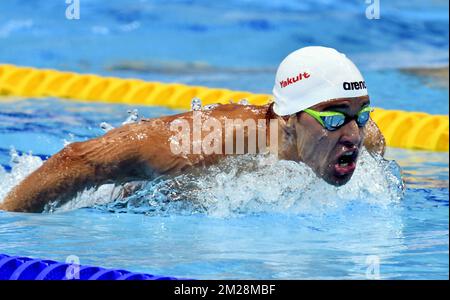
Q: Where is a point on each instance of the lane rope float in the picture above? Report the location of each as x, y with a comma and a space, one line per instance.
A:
402, 129
25, 268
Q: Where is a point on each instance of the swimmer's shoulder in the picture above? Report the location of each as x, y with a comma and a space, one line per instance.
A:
219, 111
240, 111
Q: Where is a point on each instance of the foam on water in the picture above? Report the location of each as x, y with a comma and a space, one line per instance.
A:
251, 184
238, 185
21, 166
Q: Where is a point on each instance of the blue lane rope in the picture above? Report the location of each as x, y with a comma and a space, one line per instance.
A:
25, 268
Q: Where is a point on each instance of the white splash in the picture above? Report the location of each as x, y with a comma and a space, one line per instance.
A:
243, 102
264, 184
249, 184
106, 126
238, 185
132, 118
21, 166
69, 141
210, 106
196, 104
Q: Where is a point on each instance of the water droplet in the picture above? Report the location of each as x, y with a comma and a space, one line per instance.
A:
243, 101
70, 140
132, 118
210, 106
196, 104
14, 155
106, 126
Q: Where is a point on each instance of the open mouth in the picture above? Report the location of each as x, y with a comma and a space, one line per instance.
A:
346, 163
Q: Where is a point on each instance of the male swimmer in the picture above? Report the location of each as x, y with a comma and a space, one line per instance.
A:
321, 108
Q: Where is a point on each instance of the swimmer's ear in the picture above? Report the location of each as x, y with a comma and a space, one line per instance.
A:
287, 123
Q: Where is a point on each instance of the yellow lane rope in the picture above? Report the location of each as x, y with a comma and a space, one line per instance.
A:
411, 130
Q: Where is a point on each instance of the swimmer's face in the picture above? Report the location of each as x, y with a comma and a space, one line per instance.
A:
331, 154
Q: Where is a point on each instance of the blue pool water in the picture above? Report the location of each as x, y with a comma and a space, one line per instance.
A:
269, 224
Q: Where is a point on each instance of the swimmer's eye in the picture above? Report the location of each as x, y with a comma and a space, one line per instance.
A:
334, 122
364, 116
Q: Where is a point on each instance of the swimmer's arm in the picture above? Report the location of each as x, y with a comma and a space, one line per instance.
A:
374, 140
61, 176
113, 158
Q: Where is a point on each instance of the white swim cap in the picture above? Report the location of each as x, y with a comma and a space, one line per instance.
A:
312, 75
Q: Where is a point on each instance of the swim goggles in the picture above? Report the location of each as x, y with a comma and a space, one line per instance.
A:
333, 120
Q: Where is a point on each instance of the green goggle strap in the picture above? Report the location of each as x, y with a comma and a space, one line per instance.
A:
319, 114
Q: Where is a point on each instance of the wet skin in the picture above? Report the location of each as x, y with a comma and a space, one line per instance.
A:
323, 150
141, 151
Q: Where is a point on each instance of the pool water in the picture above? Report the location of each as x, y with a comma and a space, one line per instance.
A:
277, 222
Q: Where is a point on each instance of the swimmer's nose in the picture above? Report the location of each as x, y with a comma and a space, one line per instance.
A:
351, 135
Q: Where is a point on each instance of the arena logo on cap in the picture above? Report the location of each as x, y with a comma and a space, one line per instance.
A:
356, 85
292, 80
